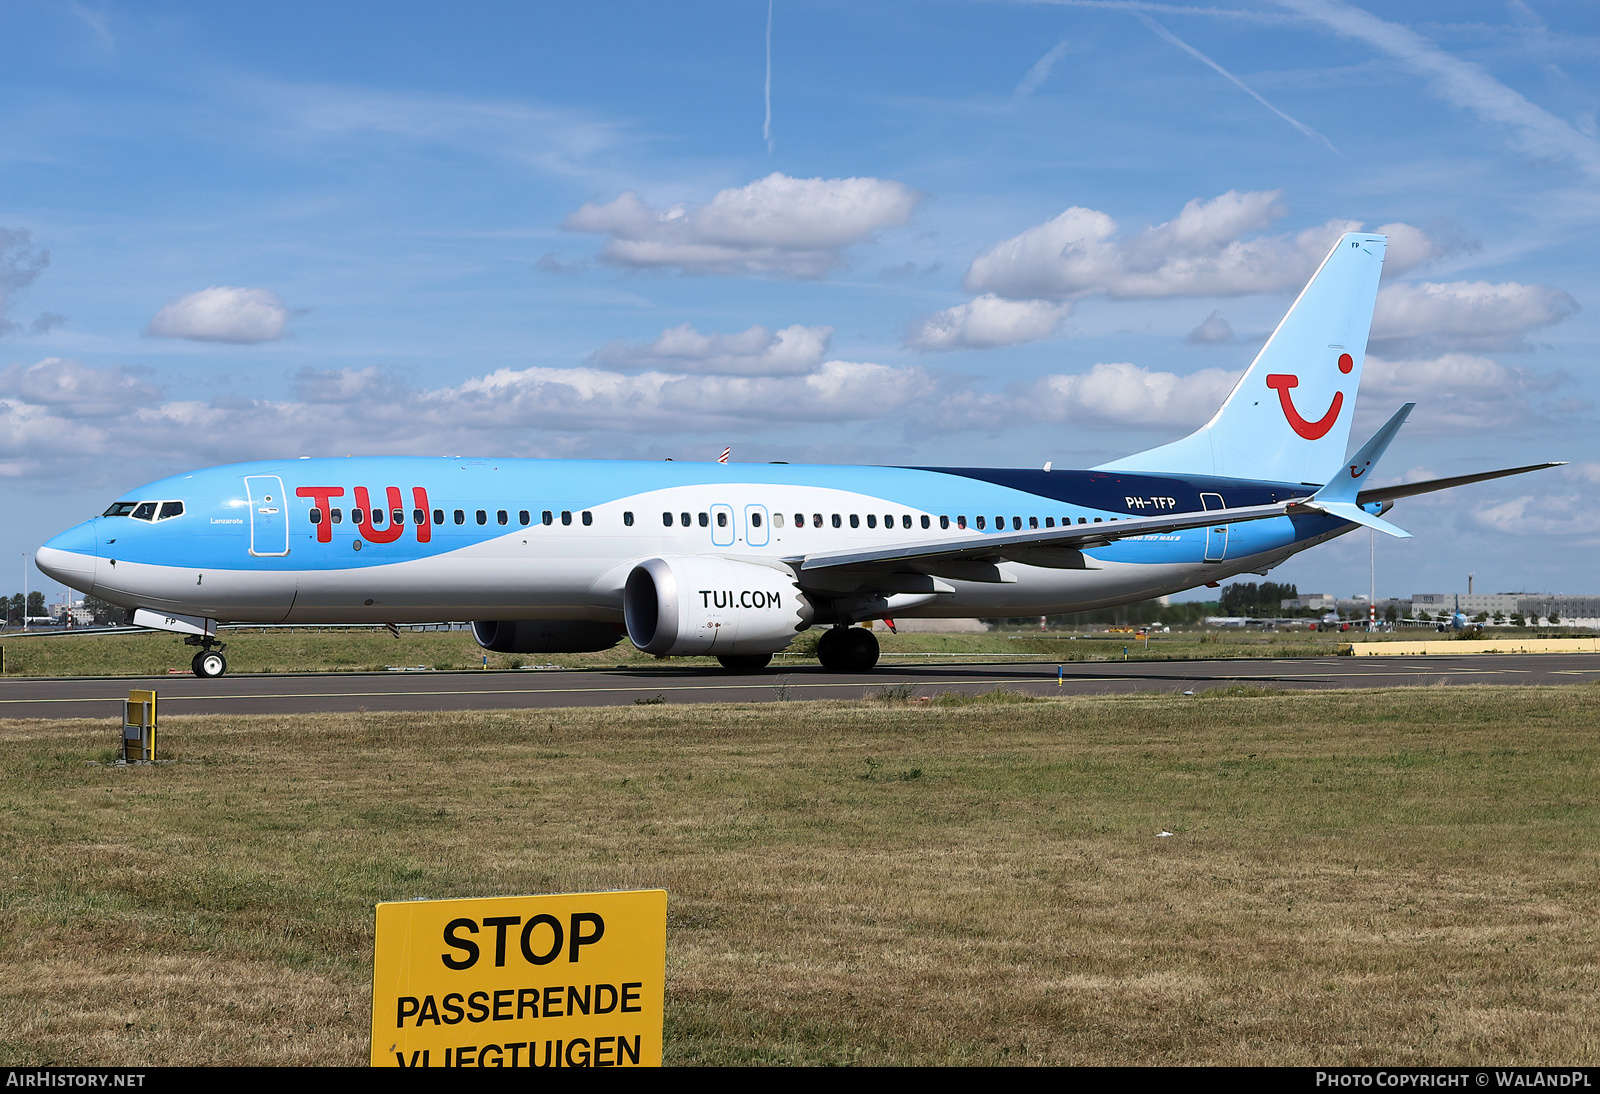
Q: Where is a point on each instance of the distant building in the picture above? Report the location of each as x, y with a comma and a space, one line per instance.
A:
1471, 603
1573, 611
1317, 602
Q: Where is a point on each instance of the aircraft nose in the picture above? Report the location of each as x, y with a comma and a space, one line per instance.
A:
70, 557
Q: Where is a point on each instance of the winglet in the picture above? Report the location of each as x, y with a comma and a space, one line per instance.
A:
1338, 497
1346, 482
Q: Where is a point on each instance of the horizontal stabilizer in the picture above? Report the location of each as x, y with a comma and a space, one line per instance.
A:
1349, 510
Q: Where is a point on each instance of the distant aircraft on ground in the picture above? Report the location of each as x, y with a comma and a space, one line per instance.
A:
734, 560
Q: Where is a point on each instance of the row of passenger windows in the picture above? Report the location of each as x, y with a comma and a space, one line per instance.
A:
378, 517
905, 521
458, 516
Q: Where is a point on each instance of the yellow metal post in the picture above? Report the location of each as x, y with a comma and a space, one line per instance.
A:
139, 727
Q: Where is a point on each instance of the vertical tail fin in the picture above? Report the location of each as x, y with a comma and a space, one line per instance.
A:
1288, 418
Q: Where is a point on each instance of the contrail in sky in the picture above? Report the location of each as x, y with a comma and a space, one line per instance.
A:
1167, 35
1040, 72
766, 127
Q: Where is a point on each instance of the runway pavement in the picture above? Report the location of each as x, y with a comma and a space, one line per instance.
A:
283, 693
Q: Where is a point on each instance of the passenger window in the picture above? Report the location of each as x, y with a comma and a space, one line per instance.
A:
799, 520
1097, 520
836, 521
438, 516
816, 520
1016, 524
755, 520
419, 516
1083, 520
855, 521
722, 520
357, 516
145, 511
944, 521
316, 516
524, 517
483, 516
461, 517
872, 520
1033, 522
905, 521
171, 509
705, 521
399, 516
666, 519
337, 515
377, 517
777, 520
961, 522
502, 516
588, 518
999, 524
547, 518
981, 524
627, 519
566, 517
1049, 522
888, 520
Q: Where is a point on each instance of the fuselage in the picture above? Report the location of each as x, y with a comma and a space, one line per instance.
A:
410, 539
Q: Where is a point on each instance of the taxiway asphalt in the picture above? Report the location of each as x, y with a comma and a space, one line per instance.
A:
288, 694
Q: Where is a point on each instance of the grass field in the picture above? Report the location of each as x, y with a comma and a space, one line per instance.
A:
281, 650
1398, 877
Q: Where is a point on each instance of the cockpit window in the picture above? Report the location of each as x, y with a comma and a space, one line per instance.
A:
145, 511
171, 509
120, 509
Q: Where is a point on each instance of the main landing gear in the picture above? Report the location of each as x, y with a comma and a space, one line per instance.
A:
848, 649
209, 662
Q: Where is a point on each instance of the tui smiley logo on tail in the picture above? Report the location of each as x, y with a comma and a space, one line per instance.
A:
1312, 431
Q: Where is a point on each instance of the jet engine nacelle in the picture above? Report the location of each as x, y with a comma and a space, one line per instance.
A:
544, 635
687, 604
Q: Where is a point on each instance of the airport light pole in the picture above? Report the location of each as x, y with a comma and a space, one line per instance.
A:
24, 590
1372, 578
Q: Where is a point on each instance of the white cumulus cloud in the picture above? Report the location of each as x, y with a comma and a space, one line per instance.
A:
1213, 331
223, 313
1200, 252
74, 389
1539, 515
777, 226
1121, 395
986, 322
1465, 315
1456, 391
792, 351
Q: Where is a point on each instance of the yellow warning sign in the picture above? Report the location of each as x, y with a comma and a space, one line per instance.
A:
574, 980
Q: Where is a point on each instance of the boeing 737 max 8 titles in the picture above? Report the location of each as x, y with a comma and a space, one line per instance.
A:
734, 560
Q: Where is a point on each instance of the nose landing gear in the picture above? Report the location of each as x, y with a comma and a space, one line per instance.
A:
209, 662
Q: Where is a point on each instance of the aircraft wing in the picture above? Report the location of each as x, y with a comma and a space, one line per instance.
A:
1406, 490
1033, 546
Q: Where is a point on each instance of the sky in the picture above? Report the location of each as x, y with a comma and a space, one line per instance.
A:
947, 232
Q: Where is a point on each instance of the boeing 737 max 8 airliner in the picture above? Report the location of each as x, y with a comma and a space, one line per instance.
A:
733, 560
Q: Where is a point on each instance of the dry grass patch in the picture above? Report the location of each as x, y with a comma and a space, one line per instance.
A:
1351, 877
